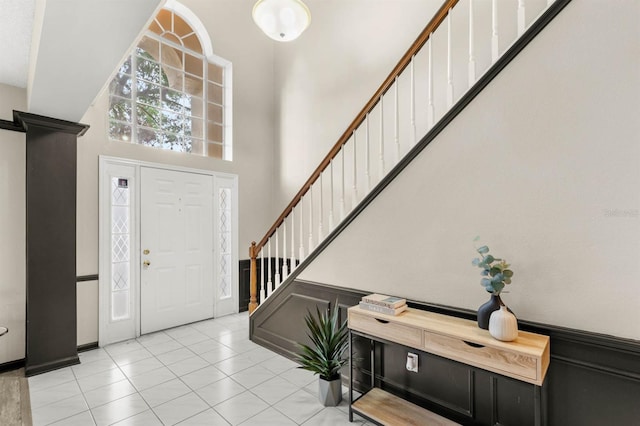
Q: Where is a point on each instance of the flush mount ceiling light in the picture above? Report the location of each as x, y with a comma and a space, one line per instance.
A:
282, 20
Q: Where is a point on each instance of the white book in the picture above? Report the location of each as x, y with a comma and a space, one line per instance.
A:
384, 300
382, 309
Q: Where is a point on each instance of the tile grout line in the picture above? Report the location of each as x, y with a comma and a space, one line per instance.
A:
231, 336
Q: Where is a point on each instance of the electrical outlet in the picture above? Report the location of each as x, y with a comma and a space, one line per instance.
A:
412, 362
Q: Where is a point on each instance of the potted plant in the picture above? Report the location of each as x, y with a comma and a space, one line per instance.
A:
327, 354
496, 275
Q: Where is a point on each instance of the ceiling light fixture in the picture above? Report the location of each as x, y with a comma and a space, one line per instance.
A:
282, 20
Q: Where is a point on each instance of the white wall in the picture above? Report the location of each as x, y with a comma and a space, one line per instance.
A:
12, 228
87, 312
234, 37
58, 89
544, 166
324, 78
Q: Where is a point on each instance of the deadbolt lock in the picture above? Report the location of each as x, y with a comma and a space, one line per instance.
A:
145, 251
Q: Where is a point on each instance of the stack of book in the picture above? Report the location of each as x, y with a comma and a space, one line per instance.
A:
380, 303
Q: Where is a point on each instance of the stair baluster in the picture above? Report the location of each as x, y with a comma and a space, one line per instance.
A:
472, 56
521, 17
354, 194
495, 48
437, 102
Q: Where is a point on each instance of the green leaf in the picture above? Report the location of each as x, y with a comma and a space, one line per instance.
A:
484, 273
476, 238
485, 282
508, 273
507, 280
483, 250
476, 261
330, 341
489, 259
483, 262
494, 271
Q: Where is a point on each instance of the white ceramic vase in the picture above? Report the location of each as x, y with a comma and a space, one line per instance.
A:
503, 325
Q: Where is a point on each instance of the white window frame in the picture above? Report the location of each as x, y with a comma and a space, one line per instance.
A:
208, 57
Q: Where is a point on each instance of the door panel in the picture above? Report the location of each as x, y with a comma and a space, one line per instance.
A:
176, 228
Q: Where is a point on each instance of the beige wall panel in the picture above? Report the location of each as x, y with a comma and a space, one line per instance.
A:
12, 229
544, 166
87, 309
325, 77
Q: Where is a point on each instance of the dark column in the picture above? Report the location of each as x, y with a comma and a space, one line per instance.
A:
51, 241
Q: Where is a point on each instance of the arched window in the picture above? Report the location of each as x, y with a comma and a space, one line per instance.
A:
172, 93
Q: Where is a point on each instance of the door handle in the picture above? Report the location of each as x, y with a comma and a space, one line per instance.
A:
146, 263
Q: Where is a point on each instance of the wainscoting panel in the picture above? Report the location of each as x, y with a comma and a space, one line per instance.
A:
245, 277
593, 379
244, 284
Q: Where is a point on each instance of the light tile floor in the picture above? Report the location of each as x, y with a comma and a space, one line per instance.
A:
207, 373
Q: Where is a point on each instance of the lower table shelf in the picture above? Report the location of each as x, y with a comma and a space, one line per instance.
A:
387, 409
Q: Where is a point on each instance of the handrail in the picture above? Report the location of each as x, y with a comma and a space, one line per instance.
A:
422, 39
406, 59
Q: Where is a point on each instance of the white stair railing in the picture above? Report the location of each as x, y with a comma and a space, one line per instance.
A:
439, 68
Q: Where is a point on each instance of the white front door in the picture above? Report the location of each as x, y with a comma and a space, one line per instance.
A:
176, 244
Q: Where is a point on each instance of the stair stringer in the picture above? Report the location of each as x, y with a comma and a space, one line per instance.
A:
281, 295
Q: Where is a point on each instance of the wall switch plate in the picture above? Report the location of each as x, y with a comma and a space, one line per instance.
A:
412, 362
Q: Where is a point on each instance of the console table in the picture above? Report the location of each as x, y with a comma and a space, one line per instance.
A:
503, 379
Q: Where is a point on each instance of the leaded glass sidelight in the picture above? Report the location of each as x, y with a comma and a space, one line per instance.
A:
225, 243
120, 249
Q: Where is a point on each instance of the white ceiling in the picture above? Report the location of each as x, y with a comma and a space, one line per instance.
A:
16, 27
66, 54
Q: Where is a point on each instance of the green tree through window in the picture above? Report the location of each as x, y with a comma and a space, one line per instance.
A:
158, 96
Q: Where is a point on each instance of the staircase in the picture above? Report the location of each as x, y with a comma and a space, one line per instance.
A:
431, 84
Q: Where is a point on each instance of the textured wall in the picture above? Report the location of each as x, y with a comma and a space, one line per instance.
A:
12, 228
543, 165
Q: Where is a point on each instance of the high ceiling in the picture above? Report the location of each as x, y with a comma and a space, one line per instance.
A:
16, 27
64, 51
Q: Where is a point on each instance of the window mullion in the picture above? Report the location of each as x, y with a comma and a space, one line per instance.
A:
134, 98
205, 108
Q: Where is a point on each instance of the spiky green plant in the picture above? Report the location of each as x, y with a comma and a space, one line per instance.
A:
330, 340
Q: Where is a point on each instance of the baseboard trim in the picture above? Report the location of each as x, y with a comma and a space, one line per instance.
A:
88, 347
11, 365
50, 366
83, 278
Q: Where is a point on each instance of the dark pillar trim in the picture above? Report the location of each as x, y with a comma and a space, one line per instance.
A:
11, 125
28, 121
51, 335
83, 278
